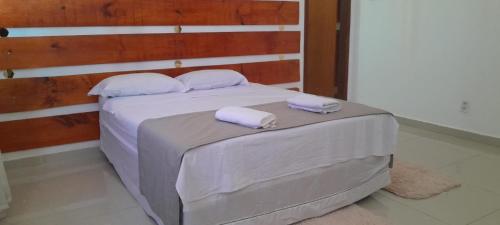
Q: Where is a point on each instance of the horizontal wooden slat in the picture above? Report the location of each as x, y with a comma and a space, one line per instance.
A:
26, 94
64, 13
49, 131
35, 52
273, 72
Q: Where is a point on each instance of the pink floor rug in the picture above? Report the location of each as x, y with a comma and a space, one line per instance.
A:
413, 182
350, 215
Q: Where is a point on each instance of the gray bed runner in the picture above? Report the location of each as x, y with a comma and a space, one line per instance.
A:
163, 142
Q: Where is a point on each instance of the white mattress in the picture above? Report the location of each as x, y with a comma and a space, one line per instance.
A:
232, 165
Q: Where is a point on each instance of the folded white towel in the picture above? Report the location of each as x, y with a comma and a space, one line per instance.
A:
246, 117
314, 103
317, 110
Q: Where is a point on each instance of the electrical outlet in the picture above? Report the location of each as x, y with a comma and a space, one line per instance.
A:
465, 107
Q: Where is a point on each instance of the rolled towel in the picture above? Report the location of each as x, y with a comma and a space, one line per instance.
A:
246, 117
314, 103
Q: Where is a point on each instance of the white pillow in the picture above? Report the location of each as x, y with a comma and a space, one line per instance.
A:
212, 79
137, 84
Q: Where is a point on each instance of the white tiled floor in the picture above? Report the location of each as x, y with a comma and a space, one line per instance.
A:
81, 188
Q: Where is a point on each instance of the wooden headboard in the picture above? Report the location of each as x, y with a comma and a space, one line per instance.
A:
53, 51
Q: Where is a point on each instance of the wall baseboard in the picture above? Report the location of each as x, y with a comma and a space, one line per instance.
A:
450, 131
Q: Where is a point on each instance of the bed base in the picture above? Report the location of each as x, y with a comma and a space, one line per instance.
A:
249, 205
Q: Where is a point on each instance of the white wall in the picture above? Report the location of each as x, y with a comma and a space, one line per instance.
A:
421, 58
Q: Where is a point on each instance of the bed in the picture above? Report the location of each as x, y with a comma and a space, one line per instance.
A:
278, 177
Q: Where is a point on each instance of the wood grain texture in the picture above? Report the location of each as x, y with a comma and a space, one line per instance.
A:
320, 47
64, 13
26, 94
273, 72
35, 52
48, 131
343, 44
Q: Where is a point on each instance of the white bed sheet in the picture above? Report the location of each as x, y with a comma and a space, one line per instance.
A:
234, 164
